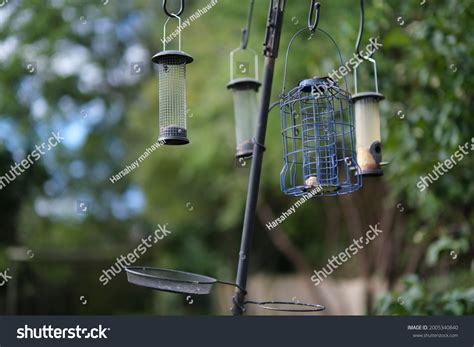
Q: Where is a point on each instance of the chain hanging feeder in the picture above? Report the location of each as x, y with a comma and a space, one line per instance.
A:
244, 85
318, 132
367, 117
172, 87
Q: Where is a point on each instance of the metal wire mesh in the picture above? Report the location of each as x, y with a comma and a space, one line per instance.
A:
172, 94
318, 140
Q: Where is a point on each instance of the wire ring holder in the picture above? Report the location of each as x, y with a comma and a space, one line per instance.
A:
180, 12
172, 89
189, 283
318, 133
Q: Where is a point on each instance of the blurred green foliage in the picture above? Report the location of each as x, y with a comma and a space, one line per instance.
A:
419, 298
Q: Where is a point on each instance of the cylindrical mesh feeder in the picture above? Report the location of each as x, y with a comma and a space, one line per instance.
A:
244, 85
367, 125
172, 93
318, 138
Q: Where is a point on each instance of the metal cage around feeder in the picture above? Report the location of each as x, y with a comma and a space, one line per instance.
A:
318, 136
172, 92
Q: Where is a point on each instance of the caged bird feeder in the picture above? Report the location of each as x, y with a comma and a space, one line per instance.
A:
172, 88
318, 134
367, 118
244, 85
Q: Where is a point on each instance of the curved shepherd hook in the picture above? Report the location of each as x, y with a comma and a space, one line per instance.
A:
180, 12
361, 32
313, 22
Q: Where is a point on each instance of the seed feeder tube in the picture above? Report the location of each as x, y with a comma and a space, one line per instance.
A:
172, 92
367, 126
244, 85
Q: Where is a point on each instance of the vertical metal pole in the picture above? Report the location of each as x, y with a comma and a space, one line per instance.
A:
271, 45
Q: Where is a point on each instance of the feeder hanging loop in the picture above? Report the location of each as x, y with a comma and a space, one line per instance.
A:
180, 12
313, 24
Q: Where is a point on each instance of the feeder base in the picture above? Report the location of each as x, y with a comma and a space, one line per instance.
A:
372, 173
324, 189
173, 141
173, 135
244, 151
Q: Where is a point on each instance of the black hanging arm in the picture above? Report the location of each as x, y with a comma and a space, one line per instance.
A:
361, 32
361, 27
313, 20
180, 12
246, 31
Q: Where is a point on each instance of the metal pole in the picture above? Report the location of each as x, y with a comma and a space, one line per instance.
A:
271, 45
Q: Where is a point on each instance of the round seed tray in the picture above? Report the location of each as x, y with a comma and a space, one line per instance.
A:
170, 280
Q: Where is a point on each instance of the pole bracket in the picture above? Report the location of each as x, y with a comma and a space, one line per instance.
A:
275, 20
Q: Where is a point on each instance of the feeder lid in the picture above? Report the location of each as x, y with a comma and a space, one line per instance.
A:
159, 57
366, 95
244, 83
309, 84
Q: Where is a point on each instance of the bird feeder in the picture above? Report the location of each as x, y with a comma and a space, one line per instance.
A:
318, 137
367, 126
172, 91
244, 85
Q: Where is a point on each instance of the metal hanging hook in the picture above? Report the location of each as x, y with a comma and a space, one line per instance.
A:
361, 27
361, 33
246, 31
180, 12
313, 23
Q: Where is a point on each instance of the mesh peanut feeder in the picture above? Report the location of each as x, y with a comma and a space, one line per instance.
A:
318, 136
172, 91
